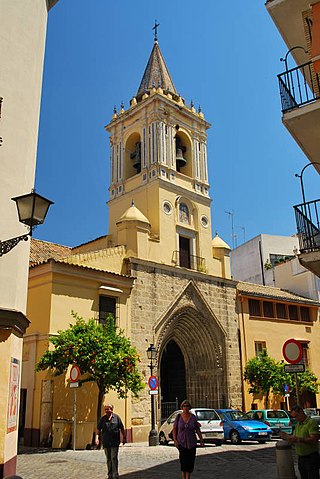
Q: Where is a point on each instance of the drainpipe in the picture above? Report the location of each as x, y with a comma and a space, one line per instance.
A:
261, 264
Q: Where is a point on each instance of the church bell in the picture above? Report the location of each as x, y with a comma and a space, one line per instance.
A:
180, 160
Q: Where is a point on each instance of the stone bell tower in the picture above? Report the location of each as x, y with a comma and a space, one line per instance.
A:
159, 189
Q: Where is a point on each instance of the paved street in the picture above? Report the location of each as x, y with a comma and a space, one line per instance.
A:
249, 460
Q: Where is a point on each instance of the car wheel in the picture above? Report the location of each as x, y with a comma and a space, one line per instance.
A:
162, 439
234, 437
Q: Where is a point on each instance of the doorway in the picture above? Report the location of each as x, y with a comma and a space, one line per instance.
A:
172, 379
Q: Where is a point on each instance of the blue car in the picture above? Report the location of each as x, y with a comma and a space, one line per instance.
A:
237, 427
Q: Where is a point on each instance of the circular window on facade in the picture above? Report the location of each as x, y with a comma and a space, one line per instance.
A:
167, 207
204, 221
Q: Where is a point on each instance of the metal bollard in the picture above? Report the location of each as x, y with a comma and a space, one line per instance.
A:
285, 465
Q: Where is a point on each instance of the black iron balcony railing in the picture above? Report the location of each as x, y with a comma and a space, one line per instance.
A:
308, 227
189, 261
298, 86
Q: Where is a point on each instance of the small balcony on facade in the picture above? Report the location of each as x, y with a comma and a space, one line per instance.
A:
189, 261
300, 103
308, 228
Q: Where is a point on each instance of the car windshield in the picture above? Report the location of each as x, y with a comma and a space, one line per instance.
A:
277, 415
237, 416
206, 415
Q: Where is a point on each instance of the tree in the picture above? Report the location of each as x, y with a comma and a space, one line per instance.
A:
264, 375
261, 372
103, 354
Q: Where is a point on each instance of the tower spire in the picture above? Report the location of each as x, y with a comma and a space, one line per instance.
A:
156, 72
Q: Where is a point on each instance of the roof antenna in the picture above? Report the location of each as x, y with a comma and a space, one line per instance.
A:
155, 28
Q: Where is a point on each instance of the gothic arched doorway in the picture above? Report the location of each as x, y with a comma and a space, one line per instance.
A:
172, 378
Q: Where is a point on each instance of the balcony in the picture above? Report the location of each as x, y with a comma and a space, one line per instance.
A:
189, 261
300, 104
308, 228
298, 86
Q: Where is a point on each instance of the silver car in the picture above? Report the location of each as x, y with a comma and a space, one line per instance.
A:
209, 420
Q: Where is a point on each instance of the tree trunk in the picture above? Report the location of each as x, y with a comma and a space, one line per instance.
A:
267, 399
100, 399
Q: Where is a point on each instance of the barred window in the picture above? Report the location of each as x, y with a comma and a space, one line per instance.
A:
107, 305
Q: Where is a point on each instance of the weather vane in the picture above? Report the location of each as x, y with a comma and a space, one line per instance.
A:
155, 28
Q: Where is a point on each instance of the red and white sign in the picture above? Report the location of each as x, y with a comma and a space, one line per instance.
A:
75, 373
292, 351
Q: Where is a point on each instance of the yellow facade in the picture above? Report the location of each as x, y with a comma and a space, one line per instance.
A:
271, 333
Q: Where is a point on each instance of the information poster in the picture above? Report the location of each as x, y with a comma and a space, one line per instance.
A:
13, 405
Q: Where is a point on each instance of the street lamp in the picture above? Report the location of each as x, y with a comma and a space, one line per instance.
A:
32, 210
153, 435
301, 180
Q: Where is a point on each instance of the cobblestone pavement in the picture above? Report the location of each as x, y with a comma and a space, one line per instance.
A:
139, 461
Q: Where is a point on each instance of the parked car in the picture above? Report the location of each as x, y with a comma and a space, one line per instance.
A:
277, 419
314, 413
211, 426
239, 427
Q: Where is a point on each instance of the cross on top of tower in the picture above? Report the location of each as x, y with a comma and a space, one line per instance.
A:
155, 28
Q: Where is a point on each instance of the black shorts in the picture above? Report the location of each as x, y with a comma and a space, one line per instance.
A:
187, 458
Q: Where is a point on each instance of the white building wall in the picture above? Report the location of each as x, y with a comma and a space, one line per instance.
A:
23, 31
247, 262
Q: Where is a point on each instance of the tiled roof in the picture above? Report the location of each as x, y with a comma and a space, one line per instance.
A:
43, 250
251, 289
156, 73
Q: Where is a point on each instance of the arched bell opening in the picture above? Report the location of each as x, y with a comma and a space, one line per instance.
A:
183, 153
132, 155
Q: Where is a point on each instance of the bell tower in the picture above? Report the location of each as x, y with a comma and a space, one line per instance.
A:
159, 169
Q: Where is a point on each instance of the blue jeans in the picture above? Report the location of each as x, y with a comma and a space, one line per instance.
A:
112, 461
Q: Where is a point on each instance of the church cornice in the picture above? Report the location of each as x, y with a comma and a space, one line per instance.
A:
161, 114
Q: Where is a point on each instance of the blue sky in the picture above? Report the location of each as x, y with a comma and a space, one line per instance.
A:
226, 60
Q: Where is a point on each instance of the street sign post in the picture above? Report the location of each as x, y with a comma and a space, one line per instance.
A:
153, 382
75, 374
292, 351
294, 368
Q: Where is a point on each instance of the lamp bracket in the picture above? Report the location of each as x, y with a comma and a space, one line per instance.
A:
8, 245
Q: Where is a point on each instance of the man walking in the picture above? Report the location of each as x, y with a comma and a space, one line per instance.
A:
108, 428
305, 439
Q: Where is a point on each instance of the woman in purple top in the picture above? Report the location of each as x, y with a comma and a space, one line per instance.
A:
185, 428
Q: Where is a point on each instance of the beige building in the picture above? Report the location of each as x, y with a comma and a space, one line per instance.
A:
159, 270
268, 317
22, 41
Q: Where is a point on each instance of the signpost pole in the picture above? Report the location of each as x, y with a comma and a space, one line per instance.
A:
74, 418
297, 388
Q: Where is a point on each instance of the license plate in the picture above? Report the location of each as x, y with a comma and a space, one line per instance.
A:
210, 434
262, 434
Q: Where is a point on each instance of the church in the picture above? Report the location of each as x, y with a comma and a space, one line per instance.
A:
159, 271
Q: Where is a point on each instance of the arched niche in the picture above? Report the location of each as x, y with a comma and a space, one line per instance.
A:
132, 155
183, 153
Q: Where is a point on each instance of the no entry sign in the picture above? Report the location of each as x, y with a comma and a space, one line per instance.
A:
75, 373
292, 351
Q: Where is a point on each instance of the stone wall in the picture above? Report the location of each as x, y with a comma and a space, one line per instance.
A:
198, 312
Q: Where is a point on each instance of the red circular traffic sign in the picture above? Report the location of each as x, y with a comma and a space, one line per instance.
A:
292, 351
153, 383
75, 373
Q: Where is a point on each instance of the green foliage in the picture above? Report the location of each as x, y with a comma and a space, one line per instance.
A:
102, 352
265, 375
